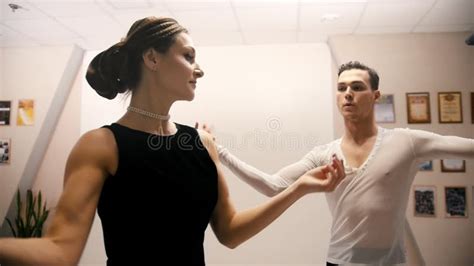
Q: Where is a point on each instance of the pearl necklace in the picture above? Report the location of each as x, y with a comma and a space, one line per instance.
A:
148, 114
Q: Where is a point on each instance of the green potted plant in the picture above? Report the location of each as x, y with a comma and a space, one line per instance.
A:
29, 221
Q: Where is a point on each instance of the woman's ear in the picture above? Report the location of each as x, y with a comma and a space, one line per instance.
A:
151, 58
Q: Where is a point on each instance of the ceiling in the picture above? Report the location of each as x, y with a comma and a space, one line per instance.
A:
97, 24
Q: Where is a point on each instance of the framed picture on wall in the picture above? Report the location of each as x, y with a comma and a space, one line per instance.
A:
450, 107
418, 107
5, 110
453, 165
425, 201
384, 109
426, 166
456, 202
5, 151
472, 197
472, 107
26, 113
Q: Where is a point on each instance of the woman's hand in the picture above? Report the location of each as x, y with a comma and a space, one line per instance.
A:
324, 178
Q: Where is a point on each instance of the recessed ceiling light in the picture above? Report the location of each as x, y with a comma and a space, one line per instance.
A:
330, 17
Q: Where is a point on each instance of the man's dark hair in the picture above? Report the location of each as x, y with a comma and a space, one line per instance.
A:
374, 77
470, 39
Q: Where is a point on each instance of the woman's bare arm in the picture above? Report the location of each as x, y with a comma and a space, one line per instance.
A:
88, 165
233, 228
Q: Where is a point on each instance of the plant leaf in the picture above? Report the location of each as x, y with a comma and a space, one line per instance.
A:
11, 227
18, 204
30, 220
21, 229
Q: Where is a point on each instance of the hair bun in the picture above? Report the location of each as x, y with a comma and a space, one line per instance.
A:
107, 72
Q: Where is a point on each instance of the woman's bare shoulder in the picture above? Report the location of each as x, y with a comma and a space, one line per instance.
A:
96, 147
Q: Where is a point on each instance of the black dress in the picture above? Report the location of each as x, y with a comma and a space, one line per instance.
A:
157, 206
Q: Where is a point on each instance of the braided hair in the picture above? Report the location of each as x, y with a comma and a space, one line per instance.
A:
117, 69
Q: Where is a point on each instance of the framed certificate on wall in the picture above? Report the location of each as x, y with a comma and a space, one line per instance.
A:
472, 107
456, 202
426, 166
5, 151
450, 107
453, 165
5, 110
418, 107
26, 112
384, 109
425, 201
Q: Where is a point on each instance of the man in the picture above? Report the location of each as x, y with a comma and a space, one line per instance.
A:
368, 207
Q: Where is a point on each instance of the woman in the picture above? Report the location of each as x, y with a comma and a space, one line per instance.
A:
145, 166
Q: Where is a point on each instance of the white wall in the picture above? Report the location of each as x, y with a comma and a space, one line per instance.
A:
237, 80
28, 73
2, 66
50, 176
269, 105
425, 63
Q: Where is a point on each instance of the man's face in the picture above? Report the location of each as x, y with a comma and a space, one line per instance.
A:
355, 97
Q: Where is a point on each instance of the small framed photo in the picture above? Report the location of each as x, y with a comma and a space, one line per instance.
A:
5, 151
425, 201
26, 113
456, 202
418, 108
426, 166
453, 165
450, 107
384, 109
5, 110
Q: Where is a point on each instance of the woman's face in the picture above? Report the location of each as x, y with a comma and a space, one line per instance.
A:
178, 71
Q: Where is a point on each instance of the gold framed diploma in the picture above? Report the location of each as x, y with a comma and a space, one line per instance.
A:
450, 107
418, 107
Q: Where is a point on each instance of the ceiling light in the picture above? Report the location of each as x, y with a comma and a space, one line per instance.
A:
15, 7
330, 17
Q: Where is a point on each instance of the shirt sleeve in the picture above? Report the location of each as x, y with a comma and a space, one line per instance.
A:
428, 145
267, 184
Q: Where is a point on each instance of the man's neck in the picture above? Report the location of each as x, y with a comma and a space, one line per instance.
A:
358, 132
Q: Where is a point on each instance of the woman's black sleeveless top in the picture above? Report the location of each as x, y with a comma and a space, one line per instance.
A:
156, 208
